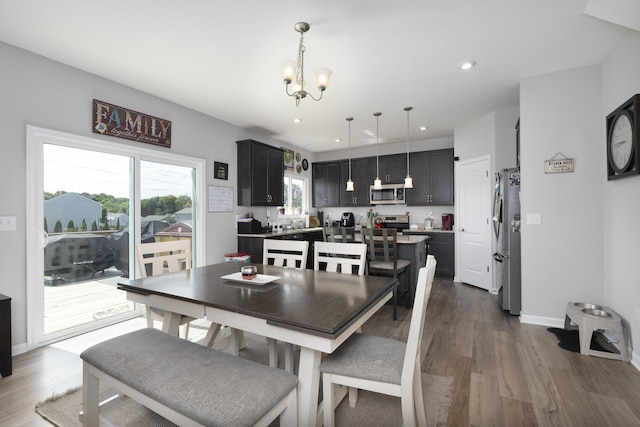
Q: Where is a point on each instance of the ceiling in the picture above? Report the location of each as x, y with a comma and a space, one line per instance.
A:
223, 58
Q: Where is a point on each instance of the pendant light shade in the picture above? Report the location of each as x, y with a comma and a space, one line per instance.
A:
349, 181
408, 181
377, 183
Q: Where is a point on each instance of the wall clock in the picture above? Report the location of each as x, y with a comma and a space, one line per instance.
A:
623, 140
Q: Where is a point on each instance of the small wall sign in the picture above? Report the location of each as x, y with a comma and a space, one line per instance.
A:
109, 119
220, 170
558, 164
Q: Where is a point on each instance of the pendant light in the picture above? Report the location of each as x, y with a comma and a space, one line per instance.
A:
377, 183
349, 182
408, 181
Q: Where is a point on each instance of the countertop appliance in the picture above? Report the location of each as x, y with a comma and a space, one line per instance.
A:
508, 233
249, 226
447, 221
348, 220
401, 222
389, 194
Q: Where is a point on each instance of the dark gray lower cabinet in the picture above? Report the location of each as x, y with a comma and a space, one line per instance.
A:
442, 247
6, 367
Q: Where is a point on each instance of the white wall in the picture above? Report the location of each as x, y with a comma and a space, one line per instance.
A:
621, 204
562, 257
44, 93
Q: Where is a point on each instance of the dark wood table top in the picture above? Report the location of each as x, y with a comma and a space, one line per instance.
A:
315, 302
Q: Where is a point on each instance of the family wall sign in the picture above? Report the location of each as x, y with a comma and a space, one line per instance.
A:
109, 119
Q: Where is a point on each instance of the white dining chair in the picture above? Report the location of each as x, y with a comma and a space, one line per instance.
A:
285, 253
290, 254
340, 257
157, 258
382, 365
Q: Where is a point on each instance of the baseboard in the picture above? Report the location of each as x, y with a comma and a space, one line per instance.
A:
19, 349
542, 321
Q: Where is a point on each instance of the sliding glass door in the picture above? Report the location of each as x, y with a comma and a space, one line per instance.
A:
91, 203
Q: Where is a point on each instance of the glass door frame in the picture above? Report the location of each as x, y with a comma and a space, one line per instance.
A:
36, 137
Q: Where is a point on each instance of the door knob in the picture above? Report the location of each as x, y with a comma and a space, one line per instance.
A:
461, 228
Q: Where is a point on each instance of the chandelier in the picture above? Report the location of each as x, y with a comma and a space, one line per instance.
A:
293, 72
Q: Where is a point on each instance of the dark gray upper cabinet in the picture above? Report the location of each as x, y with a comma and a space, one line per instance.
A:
432, 173
260, 174
393, 168
325, 184
362, 176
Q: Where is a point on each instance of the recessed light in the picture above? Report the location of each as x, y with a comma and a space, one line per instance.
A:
297, 120
424, 127
467, 65
338, 140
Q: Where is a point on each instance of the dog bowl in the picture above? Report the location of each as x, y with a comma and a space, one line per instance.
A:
596, 312
588, 306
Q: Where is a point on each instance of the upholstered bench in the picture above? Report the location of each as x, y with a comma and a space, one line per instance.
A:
189, 384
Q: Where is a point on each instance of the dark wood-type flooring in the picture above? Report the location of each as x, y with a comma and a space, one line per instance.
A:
505, 373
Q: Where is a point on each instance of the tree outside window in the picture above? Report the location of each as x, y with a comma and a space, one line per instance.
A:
294, 195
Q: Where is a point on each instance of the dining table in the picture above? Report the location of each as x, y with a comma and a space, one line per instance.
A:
315, 310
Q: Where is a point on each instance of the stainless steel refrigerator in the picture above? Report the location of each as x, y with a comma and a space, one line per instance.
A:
510, 241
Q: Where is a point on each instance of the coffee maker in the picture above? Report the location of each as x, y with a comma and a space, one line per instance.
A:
447, 221
348, 220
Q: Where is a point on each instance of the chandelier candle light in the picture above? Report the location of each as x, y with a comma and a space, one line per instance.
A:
377, 183
295, 70
408, 181
349, 182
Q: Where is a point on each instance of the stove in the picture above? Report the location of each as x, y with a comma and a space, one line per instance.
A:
401, 222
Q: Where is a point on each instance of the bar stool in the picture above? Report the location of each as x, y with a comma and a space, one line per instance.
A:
593, 317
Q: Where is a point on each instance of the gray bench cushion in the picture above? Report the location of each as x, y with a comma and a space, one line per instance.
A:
208, 386
368, 357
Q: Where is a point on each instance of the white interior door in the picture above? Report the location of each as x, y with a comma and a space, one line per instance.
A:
474, 223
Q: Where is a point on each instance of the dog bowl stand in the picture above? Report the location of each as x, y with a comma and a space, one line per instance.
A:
588, 320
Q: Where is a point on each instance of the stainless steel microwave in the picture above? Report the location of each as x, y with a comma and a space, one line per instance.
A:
389, 194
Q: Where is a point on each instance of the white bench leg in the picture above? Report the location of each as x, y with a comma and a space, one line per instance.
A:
90, 397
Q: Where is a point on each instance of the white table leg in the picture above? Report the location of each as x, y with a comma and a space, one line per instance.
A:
309, 383
171, 323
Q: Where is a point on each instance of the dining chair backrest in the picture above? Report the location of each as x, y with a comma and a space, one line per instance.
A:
285, 253
381, 244
340, 257
339, 234
163, 257
416, 327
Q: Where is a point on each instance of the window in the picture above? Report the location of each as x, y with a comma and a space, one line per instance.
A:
295, 195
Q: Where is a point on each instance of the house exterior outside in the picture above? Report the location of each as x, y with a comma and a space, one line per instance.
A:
74, 207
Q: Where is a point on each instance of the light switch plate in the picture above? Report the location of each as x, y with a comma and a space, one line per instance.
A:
534, 219
7, 223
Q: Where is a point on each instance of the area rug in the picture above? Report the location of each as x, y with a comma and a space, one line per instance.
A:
372, 409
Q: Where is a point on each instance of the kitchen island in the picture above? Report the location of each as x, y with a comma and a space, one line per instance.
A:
410, 247
441, 245
253, 243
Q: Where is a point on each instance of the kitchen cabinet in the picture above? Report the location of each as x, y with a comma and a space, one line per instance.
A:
6, 367
362, 176
326, 184
432, 173
442, 247
260, 174
393, 168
